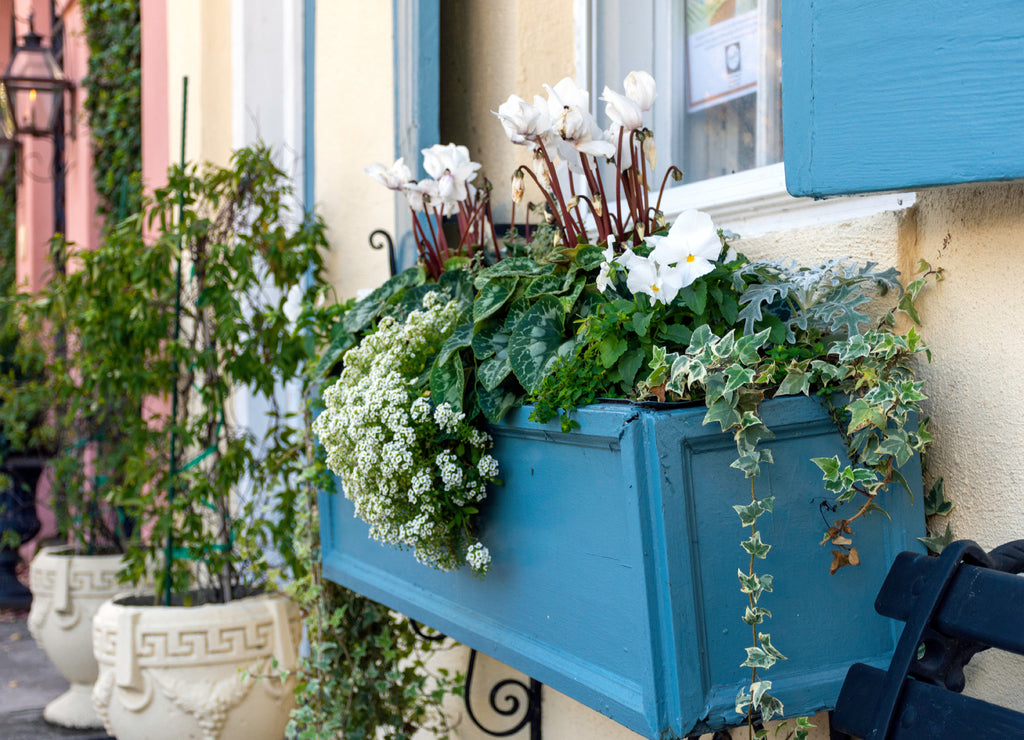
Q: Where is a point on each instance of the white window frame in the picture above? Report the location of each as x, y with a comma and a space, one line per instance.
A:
750, 203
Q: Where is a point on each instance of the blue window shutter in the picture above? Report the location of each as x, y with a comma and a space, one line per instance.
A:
417, 101
882, 95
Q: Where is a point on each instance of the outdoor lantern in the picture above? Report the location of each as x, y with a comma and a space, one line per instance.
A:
34, 84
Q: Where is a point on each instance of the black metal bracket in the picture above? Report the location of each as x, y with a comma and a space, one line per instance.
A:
380, 238
512, 693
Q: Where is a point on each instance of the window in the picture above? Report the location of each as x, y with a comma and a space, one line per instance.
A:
718, 115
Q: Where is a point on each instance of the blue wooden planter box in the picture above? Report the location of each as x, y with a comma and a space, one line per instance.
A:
615, 551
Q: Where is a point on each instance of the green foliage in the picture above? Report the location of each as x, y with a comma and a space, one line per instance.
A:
113, 102
8, 232
247, 321
365, 675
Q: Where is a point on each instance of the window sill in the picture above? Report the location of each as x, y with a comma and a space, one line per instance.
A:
755, 202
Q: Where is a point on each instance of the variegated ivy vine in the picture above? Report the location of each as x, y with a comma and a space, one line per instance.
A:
868, 383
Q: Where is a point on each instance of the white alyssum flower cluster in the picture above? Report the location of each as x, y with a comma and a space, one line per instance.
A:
414, 471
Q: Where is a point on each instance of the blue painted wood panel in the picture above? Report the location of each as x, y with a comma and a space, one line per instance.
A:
881, 95
615, 550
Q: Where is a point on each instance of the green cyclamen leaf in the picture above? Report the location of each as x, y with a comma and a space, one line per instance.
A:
461, 337
447, 382
492, 371
495, 404
534, 344
493, 296
545, 284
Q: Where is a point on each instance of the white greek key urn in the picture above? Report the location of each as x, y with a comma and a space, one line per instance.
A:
210, 672
67, 589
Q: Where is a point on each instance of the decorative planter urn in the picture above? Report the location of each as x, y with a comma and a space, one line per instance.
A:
615, 551
67, 590
17, 516
196, 673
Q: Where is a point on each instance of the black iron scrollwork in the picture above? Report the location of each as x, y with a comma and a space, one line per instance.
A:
512, 693
380, 238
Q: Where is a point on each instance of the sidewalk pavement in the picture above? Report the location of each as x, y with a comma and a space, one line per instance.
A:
28, 681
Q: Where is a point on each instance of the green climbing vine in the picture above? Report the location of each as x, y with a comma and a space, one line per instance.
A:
114, 102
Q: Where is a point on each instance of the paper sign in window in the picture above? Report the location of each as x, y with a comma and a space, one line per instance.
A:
722, 51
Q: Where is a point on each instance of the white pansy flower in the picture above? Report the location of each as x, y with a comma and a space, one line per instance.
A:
603, 275
646, 275
395, 177
640, 88
692, 245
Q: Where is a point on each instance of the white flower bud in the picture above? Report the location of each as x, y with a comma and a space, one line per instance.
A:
640, 88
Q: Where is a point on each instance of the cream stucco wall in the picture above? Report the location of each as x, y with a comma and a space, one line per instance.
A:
199, 46
354, 128
489, 51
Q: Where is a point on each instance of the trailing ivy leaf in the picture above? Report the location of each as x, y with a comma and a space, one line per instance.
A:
737, 377
755, 546
829, 466
935, 503
491, 372
938, 543
447, 382
533, 346
796, 382
493, 296
756, 615
765, 640
750, 513
757, 658
496, 403
723, 412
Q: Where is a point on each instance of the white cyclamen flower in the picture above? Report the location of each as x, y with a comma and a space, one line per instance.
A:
452, 169
622, 110
524, 123
421, 194
569, 108
640, 88
395, 177
692, 245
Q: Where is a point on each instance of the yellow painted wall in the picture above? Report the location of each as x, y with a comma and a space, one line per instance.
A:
489, 51
354, 128
199, 46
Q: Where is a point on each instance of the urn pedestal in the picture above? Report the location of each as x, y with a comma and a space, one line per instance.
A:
67, 591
